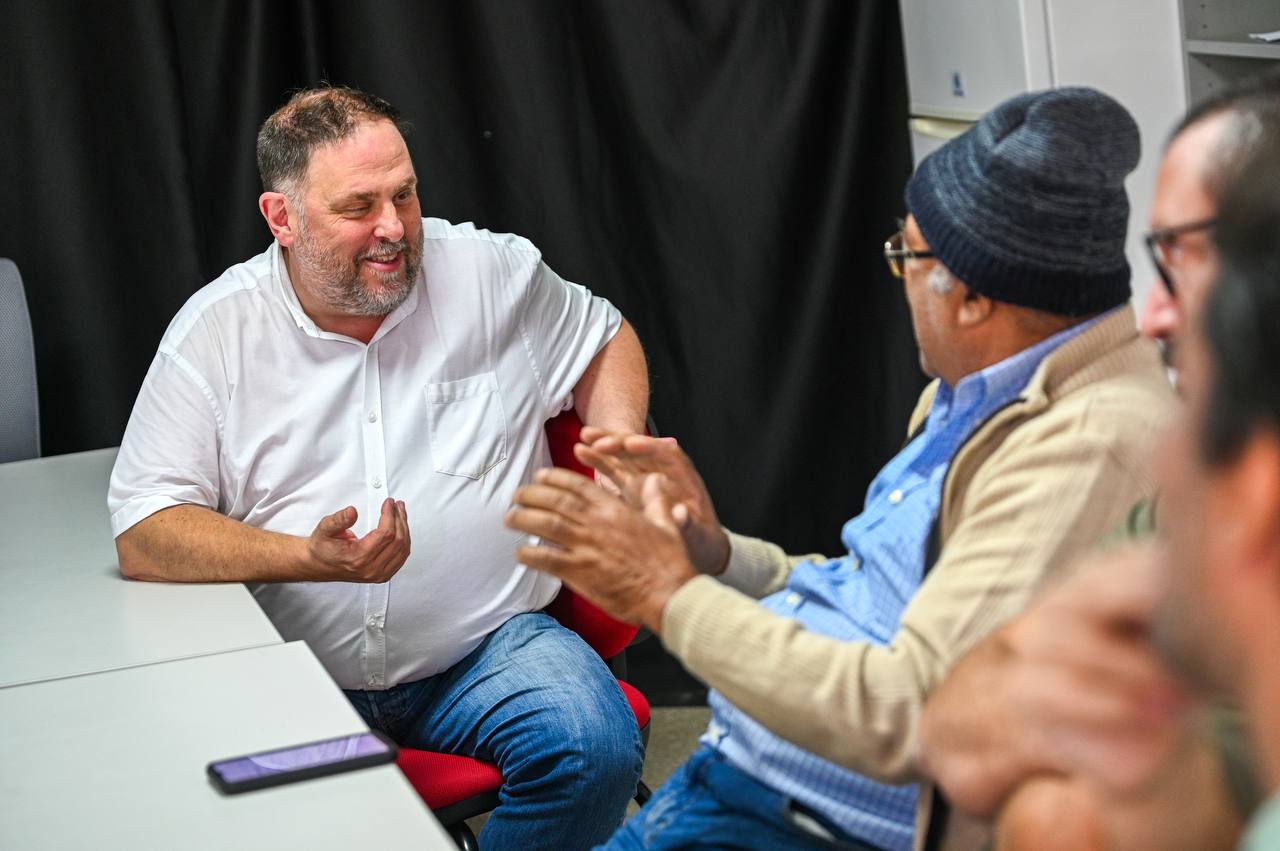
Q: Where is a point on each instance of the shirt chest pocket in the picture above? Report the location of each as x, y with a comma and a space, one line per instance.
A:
467, 424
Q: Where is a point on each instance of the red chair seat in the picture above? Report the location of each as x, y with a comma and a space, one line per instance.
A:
639, 703
443, 779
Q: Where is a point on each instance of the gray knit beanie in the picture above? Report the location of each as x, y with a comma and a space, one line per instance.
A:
1028, 206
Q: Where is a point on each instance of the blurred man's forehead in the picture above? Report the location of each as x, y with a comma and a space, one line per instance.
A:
1182, 194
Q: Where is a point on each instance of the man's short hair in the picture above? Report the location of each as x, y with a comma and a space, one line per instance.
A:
1243, 308
1253, 107
310, 119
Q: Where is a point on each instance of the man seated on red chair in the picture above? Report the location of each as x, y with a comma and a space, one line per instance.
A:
404, 367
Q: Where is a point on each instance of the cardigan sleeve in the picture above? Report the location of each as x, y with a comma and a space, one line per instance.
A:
758, 568
1039, 498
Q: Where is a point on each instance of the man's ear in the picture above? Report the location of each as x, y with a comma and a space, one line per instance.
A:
1253, 486
973, 308
276, 209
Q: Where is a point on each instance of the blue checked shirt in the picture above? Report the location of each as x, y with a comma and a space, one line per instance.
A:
861, 597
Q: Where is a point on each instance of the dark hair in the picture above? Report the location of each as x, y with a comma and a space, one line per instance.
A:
310, 119
1243, 310
1254, 107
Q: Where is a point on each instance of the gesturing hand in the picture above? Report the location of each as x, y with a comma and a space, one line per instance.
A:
342, 557
627, 560
629, 460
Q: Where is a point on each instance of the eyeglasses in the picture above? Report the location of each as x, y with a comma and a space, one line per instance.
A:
1163, 243
896, 254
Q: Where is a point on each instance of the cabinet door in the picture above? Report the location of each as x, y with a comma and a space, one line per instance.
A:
965, 56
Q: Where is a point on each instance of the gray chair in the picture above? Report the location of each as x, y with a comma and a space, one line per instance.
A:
19, 405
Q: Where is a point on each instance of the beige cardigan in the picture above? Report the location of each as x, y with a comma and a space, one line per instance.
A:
1044, 478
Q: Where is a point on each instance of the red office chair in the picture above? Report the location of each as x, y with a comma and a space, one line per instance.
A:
459, 787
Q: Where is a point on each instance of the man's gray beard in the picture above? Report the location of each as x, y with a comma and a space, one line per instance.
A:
338, 284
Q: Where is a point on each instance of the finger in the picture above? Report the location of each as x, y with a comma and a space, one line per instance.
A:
637, 450
567, 480
611, 468
590, 434
333, 525
383, 562
657, 507
655, 455
609, 485
548, 560
404, 523
548, 498
546, 525
387, 562
387, 519
369, 549
643, 445
397, 546
609, 447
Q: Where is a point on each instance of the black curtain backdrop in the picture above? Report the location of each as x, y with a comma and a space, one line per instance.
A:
724, 171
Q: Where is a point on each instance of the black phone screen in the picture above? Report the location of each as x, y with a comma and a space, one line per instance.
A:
300, 762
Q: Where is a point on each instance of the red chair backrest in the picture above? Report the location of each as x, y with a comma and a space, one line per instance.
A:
604, 634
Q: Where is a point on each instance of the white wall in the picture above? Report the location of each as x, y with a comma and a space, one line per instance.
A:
1132, 50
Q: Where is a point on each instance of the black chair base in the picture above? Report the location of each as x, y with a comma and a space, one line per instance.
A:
463, 837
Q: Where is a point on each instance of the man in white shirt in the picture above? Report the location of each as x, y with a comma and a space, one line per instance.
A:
404, 368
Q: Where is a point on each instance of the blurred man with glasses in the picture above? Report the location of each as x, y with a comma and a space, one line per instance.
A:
1218, 620
1064, 726
1028, 447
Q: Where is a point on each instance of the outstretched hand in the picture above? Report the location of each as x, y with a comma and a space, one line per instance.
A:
627, 559
343, 557
629, 460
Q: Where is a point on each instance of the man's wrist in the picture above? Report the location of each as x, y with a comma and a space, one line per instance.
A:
660, 598
723, 550
302, 563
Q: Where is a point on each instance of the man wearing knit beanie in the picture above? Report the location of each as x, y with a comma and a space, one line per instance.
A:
1029, 447
1029, 208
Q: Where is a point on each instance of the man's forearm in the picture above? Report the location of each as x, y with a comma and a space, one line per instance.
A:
188, 543
613, 392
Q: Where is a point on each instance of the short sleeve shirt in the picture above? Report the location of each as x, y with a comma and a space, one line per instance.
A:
253, 411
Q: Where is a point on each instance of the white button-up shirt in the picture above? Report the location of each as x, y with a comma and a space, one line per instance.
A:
253, 411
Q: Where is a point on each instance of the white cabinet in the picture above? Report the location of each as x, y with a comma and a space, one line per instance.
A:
947, 78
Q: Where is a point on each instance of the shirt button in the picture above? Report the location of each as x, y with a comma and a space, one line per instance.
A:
793, 599
373, 416
895, 497
377, 482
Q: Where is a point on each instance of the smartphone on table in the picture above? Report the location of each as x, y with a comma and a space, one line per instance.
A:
301, 762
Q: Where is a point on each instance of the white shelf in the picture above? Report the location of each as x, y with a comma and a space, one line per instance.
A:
1239, 46
1218, 51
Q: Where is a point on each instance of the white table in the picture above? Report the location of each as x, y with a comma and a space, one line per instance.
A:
64, 607
117, 761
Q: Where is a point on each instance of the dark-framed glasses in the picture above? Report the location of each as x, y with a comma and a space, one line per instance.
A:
1162, 246
896, 254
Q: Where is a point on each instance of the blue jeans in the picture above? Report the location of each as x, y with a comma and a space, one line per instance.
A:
536, 701
708, 803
